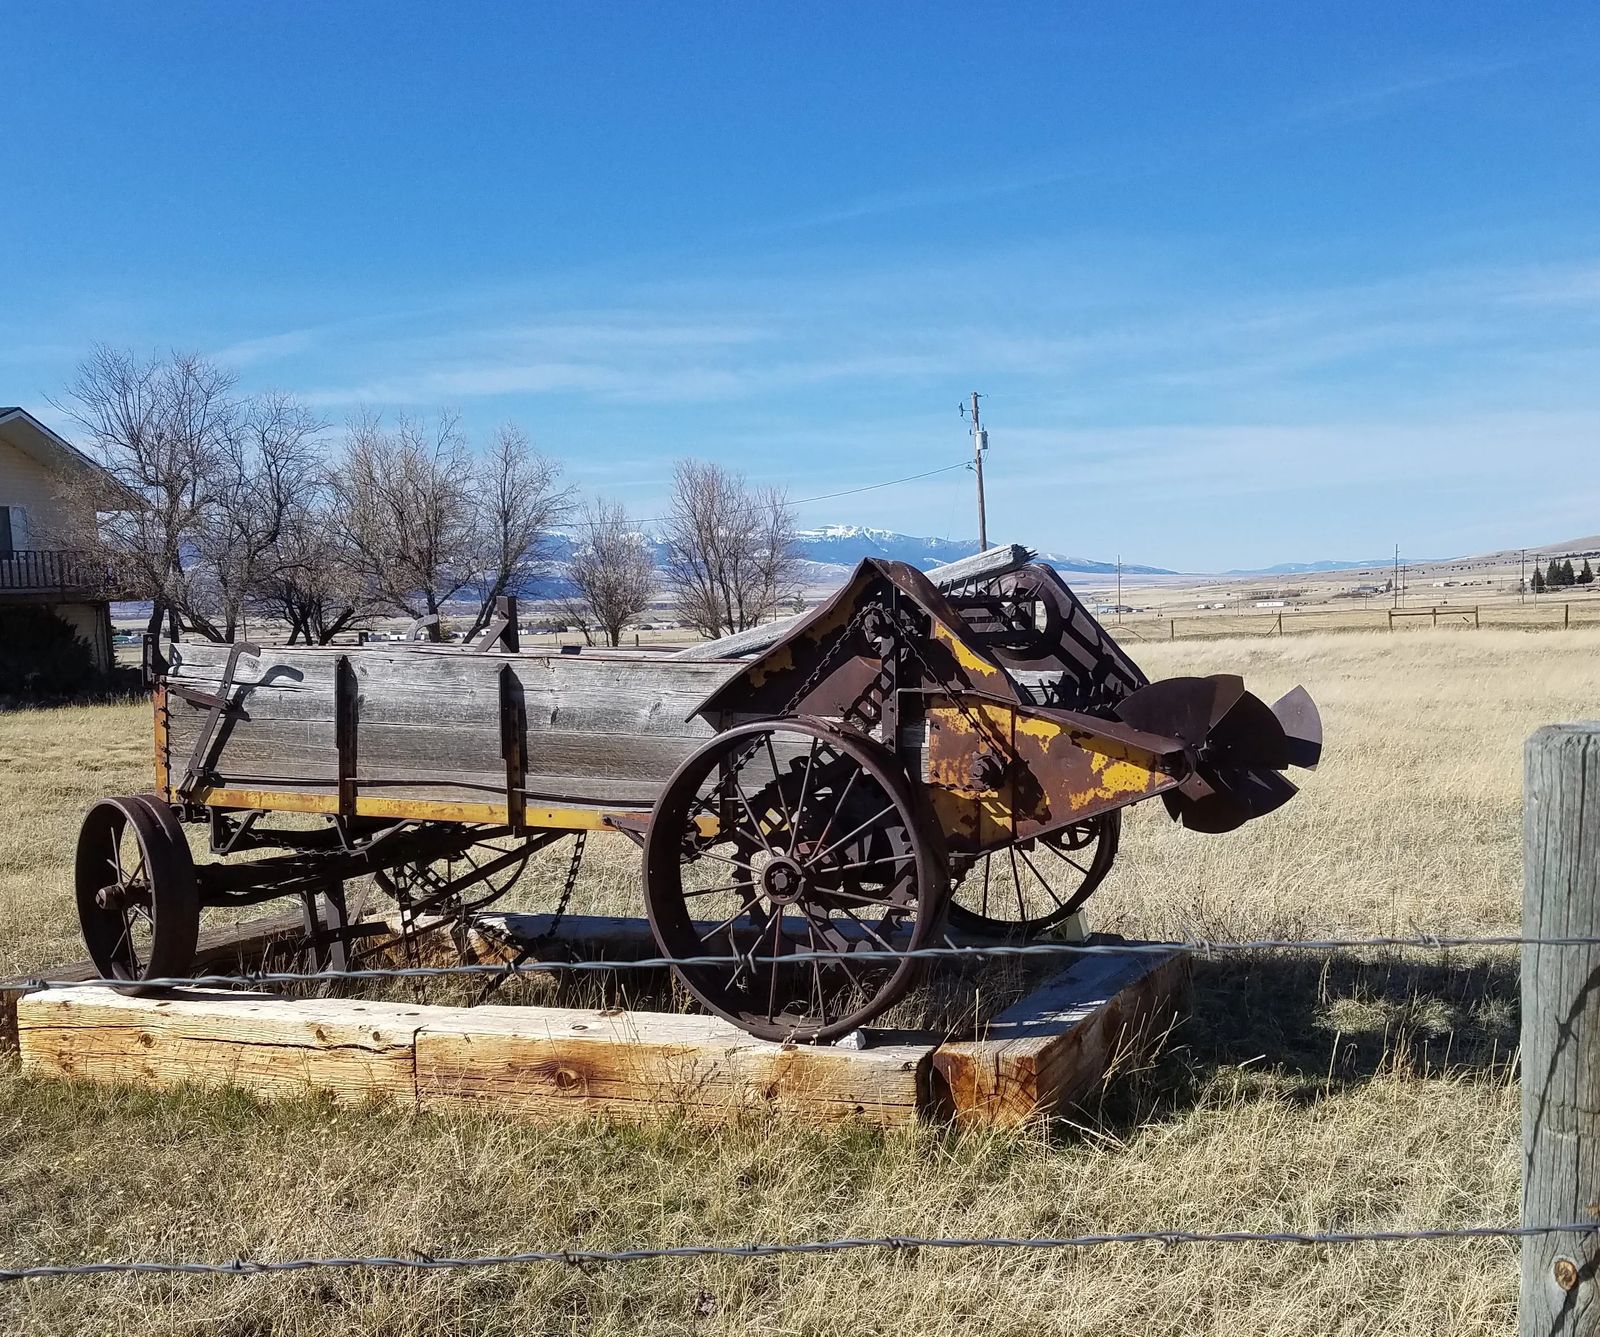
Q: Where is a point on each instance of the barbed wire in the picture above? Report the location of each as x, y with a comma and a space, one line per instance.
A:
1018, 951
1170, 1238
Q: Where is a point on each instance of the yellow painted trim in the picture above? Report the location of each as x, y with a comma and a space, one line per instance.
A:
424, 810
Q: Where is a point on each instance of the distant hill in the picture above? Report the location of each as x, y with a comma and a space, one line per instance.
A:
1309, 568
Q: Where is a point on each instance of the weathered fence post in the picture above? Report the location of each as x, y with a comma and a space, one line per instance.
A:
1561, 1030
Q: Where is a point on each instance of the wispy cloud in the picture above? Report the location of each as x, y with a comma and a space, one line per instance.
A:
1380, 96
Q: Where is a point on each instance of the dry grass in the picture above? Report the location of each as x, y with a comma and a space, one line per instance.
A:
1303, 1094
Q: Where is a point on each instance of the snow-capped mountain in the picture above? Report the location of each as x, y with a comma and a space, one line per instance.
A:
845, 545
828, 555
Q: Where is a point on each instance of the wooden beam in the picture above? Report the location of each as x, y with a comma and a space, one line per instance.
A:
261, 1043
1056, 1045
222, 947
544, 1063
642, 1067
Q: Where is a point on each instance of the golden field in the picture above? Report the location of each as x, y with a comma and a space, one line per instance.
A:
1303, 1093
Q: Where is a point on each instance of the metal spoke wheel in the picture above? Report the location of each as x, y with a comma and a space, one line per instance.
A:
135, 882
1031, 887
790, 836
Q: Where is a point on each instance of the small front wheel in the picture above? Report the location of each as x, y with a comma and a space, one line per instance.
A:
138, 903
789, 837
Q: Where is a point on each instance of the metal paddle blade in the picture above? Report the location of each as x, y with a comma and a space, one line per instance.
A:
1302, 725
1236, 798
1246, 735
1177, 708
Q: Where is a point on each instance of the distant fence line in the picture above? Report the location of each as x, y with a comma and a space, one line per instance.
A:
1544, 615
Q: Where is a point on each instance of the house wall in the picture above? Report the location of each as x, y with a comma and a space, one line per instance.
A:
25, 482
92, 623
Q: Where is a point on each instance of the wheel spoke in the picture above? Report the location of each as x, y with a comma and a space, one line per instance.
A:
805, 786
871, 863
748, 812
845, 840
1066, 858
728, 924
1022, 910
777, 783
1044, 882
712, 891
723, 858
866, 928
838, 806
772, 966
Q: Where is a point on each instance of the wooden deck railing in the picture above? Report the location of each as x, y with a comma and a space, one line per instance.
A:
34, 570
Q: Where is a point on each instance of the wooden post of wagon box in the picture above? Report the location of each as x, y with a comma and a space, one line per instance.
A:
1561, 1030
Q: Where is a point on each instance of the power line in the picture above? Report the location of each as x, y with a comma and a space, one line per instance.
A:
848, 492
242, 1267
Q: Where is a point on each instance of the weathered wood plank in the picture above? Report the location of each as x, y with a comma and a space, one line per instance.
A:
1053, 1047
263, 1044
603, 730
221, 947
558, 1063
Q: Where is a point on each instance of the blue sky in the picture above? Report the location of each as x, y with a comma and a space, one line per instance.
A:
1242, 283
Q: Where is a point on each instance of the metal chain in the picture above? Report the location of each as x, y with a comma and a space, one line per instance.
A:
565, 900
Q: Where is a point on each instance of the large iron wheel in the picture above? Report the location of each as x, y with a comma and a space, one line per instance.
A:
1029, 888
138, 905
790, 836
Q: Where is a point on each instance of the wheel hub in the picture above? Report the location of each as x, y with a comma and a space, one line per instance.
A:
783, 880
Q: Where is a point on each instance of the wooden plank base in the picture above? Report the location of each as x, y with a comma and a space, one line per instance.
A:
221, 949
1055, 1046
549, 1064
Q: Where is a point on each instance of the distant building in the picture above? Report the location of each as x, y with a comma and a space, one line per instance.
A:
35, 569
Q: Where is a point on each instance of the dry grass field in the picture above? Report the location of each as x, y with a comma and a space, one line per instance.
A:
1303, 1093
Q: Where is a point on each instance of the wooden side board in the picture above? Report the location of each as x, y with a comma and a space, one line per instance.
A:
599, 729
551, 1064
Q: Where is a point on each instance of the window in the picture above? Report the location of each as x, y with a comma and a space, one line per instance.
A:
7, 546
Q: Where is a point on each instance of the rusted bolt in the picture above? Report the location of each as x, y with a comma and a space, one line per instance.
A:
1566, 1273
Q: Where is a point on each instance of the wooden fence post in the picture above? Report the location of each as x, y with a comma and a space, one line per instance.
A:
1172, 629
1476, 626
1566, 617
1561, 1030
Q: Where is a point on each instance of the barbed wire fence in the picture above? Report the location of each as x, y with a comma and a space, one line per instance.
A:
1170, 1237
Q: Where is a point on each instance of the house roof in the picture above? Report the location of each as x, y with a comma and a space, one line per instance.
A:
21, 429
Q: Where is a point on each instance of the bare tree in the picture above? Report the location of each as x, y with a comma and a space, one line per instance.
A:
268, 459
612, 571
314, 581
405, 497
159, 428
517, 503
730, 548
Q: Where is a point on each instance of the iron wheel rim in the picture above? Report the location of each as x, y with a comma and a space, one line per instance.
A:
798, 868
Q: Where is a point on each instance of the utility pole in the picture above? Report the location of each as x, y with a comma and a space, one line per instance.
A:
1395, 582
1119, 589
1522, 577
980, 443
